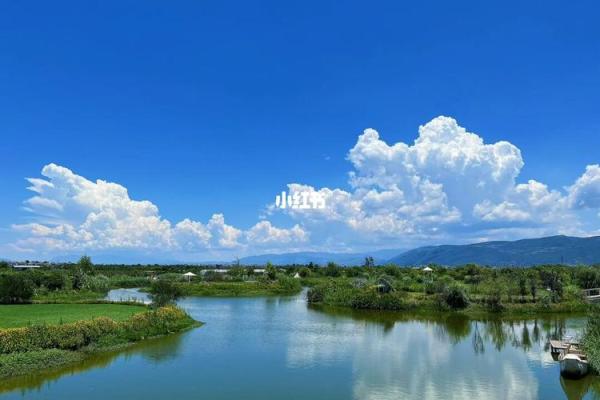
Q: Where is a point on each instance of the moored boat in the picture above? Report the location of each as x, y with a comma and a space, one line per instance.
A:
573, 363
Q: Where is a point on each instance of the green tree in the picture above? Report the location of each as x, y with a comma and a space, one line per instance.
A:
85, 264
304, 272
522, 287
369, 262
4, 265
164, 292
533, 288
455, 297
271, 271
332, 270
15, 288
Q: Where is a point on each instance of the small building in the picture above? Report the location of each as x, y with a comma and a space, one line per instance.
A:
215, 270
25, 267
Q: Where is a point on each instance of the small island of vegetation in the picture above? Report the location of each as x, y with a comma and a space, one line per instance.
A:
53, 318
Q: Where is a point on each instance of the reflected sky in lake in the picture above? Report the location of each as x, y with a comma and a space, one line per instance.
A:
278, 347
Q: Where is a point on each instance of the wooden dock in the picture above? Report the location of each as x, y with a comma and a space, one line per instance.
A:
556, 346
592, 295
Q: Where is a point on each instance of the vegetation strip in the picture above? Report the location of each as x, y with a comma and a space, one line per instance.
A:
34, 348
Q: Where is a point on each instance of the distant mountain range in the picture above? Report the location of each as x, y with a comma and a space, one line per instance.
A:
526, 252
321, 258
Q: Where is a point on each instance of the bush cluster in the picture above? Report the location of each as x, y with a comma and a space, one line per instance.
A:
15, 289
74, 336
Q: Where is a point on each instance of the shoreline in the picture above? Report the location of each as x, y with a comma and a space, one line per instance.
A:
23, 350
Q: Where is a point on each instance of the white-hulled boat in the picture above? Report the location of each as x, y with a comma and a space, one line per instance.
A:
573, 363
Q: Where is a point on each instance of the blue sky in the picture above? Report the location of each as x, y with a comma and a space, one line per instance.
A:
204, 108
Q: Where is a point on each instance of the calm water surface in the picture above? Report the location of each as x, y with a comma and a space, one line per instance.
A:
278, 348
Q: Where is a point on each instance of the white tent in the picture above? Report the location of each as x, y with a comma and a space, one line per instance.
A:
297, 275
189, 275
427, 269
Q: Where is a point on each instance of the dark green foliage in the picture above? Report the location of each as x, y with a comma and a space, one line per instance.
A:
591, 339
553, 279
212, 276
346, 294
392, 270
102, 330
588, 278
435, 286
366, 299
369, 262
4, 265
15, 288
271, 272
289, 285
304, 272
56, 281
332, 270
316, 294
237, 273
523, 286
164, 292
85, 264
79, 278
384, 284
455, 297
493, 299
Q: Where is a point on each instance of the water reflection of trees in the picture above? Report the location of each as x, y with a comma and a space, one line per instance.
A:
455, 328
485, 334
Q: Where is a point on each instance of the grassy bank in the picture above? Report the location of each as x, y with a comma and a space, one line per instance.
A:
591, 340
19, 315
288, 286
32, 349
382, 295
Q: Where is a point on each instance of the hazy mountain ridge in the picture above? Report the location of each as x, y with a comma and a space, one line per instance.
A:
321, 258
525, 252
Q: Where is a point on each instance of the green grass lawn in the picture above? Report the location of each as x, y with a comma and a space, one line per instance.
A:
12, 316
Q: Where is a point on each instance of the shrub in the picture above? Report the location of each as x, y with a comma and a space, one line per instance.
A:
85, 264
455, 297
289, 285
588, 278
164, 292
368, 299
271, 272
316, 294
591, 338
493, 292
56, 281
435, 287
332, 270
97, 283
74, 336
15, 288
304, 272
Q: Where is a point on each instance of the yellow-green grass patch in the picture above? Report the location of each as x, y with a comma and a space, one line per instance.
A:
12, 316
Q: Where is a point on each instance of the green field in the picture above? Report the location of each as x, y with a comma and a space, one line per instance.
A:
12, 316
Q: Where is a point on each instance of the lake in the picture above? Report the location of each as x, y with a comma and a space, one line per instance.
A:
278, 347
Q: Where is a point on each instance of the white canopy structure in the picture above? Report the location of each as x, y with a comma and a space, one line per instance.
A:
427, 269
189, 275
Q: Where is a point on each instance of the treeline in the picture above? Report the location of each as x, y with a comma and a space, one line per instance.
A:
549, 287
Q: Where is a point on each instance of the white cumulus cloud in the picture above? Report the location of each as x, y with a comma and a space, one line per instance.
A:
449, 185
76, 214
